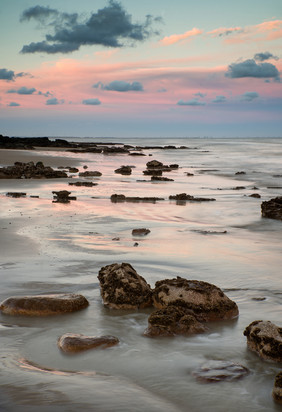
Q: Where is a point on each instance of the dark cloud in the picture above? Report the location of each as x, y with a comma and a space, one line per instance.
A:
7, 74
110, 26
199, 94
91, 102
22, 90
13, 104
249, 68
249, 96
47, 94
230, 31
219, 99
120, 86
193, 102
54, 101
261, 57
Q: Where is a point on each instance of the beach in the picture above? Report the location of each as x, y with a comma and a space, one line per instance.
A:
53, 247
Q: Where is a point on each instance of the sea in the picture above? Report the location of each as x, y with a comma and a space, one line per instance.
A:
60, 248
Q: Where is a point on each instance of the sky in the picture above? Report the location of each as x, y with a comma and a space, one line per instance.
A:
161, 68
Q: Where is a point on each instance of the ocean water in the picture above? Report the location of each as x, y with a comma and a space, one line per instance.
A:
61, 248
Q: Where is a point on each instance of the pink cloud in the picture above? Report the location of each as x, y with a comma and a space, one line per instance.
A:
224, 31
266, 31
176, 38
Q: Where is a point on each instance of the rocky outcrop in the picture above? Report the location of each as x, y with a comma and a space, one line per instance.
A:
122, 287
31, 142
265, 338
75, 343
272, 208
62, 196
124, 170
90, 173
16, 194
173, 321
218, 371
277, 390
140, 232
206, 301
183, 197
30, 171
116, 198
43, 305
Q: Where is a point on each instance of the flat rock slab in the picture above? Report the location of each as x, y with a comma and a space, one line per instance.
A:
265, 338
219, 371
74, 343
206, 301
277, 390
43, 305
122, 287
173, 321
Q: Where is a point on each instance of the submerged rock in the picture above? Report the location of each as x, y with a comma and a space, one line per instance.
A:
206, 301
173, 321
265, 338
218, 371
272, 208
86, 184
90, 173
42, 305
124, 170
277, 390
62, 196
122, 287
184, 197
119, 198
74, 343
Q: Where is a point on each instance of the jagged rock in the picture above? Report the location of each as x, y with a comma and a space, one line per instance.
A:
277, 390
63, 196
124, 170
207, 301
122, 287
140, 232
218, 371
89, 173
42, 305
183, 197
173, 321
265, 338
30, 171
116, 198
74, 343
16, 194
272, 208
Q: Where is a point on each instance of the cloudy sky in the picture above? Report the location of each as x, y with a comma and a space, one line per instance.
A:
141, 68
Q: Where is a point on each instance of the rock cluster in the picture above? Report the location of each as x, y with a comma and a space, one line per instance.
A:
43, 305
74, 343
29, 142
272, 208
265, 338
62, 196
30, 171
122, 287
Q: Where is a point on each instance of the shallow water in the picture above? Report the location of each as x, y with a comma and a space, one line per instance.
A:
73, 241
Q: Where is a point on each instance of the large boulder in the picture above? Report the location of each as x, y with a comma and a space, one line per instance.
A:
122, 287
173, 321
265, 338
272, 208
207, 301
74, 343
277, 390
42, 305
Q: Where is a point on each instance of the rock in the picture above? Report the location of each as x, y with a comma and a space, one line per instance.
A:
124, 170
189, 174
255, 195
116, 198
183, 197
114, 149
265, 338
207, 301
30, 171
277, 390
174, 166
218, 371
161, 179
272, 208
28, 142
74, 343
153, 172
140, 232
173, 321
63, 196
238, 188
90, 173
43, 305
73, 170
154, 164
240, 173
122, 287
16, 194
86, 184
